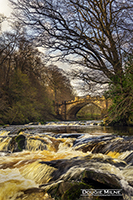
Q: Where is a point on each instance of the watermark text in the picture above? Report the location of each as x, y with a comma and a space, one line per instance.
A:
101, 192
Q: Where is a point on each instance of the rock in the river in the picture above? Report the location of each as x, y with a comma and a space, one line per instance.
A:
17, 143
79, 173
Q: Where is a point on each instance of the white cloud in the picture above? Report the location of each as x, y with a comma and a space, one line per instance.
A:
6, 10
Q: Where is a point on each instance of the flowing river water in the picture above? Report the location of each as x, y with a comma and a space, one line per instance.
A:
60, 160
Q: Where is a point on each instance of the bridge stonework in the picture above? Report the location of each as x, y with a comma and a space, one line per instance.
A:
68, 109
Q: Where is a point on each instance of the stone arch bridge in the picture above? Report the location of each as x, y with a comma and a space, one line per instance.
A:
67, 110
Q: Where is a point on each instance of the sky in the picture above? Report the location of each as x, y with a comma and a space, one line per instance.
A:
6, 10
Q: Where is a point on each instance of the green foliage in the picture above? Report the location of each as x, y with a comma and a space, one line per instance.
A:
23, 102
21, 97
121, 111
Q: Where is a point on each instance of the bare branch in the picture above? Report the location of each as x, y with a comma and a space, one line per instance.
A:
96, 32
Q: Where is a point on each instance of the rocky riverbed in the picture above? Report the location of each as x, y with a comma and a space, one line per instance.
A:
39, 163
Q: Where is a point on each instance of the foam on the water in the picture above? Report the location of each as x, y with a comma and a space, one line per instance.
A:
12, 183
28, 169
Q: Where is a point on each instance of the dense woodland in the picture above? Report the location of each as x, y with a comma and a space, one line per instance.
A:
28, 88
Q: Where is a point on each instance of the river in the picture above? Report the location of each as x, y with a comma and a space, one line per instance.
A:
66, 160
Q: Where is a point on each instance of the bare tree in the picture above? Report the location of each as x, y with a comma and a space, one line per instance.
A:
57, 81
92, 33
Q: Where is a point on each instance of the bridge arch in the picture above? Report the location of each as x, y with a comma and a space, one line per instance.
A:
72, 112
68, 109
